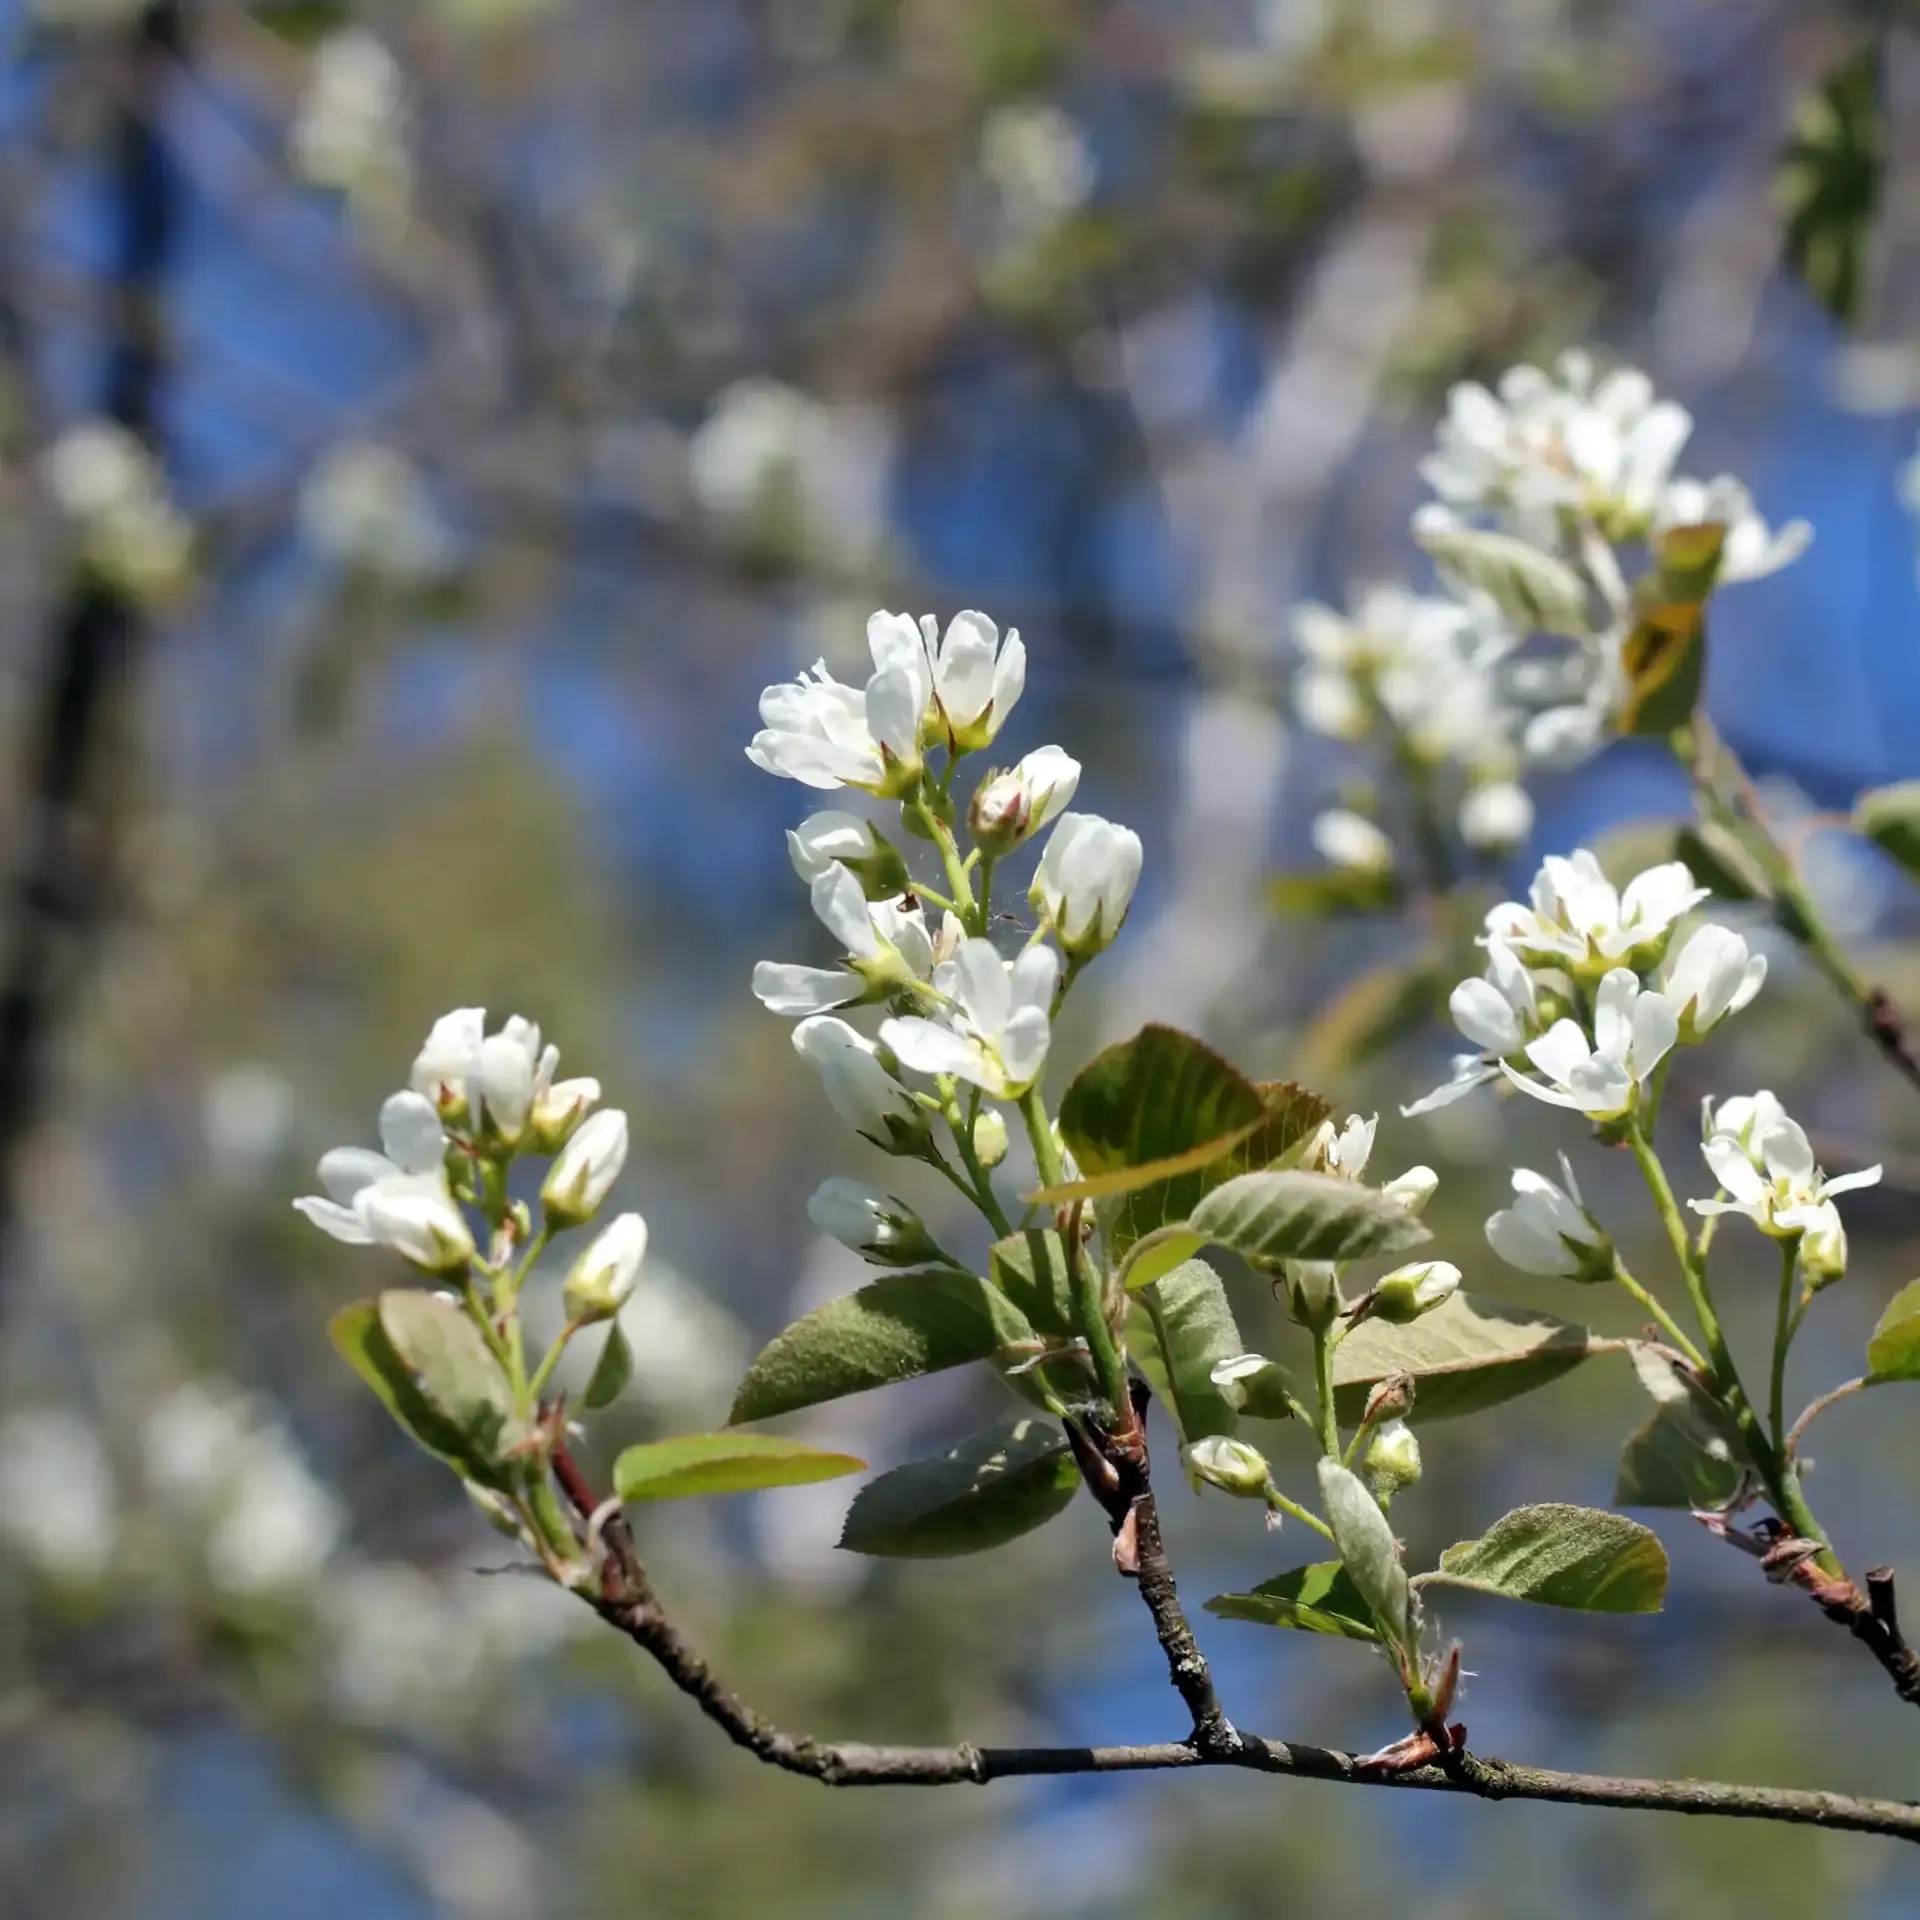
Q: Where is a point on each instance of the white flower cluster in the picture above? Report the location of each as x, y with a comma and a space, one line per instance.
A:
351, 132
367, 506
957, 1009
478, 1099
1540, 487
113, 492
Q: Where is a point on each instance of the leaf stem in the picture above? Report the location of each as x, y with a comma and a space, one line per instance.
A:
1667, 1323
1329, 1425
1784, 1325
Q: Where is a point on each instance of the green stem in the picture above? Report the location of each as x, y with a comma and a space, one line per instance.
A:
1783, 1331
549, 1521
1667, 1323
980, 1191
1089, 1290
1329, 1425
544, 1371
959, 885
1275, 1498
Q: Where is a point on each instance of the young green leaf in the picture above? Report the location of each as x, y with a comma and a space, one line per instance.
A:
1031, 1270
700, 1463
1178, 1331
1676, 1459
1894, 1351
1561, 1556
988, 1490
1293, 1215
611, 1371
1890, 818
1467, 1354
1317, 1599
1370, 1554
897, 1328
443, 1352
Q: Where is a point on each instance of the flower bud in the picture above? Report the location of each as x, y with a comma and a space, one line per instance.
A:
1252, 1384
1408, 1292
1712, 976
1548, 1231
419, 1222
875, 1225
557, 1110
1011, 806
990, 1138
603, 1278
1823, 1247
582, 1177
1313, 1293
1496, 817
856, 1078
1352, 842
1085, 881
858, 845
1393, 1460
1413, 1189
441, 1068
1231, 1465
508, 1069
1391, 1399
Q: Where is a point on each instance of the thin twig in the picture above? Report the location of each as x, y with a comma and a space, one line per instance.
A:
627, 1603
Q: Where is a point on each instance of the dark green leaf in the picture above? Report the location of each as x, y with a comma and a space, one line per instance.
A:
1317, 1599
611, 1371
988, 1490
1178, 1330
448, 1359
1676, 1459
1830, 182
896, 1328
699, 1463
1890, 818
1561, 1556
1894, 1351
1293, 1215
1467, 1354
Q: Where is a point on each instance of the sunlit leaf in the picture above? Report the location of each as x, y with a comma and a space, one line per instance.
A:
1321, 1598
1293, 1215
1893, 1353
988, 1490
1890, 818
703, 1463
1178, 1331
1369, 1552
1562, 1556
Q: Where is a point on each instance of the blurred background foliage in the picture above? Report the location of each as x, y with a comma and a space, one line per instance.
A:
538, 379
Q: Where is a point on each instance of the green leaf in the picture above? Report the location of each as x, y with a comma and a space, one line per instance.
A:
1716, 859
1890, 818
1317, 1599
1304, 1216
1561, 1556
699, 1463
988, 1490
1178, 1331
1538, 593
897, 1328
1466, 1354
1830, 182
1675, 1459
302, 23
1031, 1270
1333, 893
444, 1355
611, 1371
1893, 1353
362, 1342
1370, 1553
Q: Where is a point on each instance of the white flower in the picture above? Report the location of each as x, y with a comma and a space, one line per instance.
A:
351, 130
1765, 1161
871, 1223
1347, 1151
1746, 1116
1577, 919
858, 1086
1548, 1230
442, 1067
280, 1523
1231, 1465
1712, 976
1350, 840
1408, 1292
1038, 157
398, 1198
115, 492
823, 838
59, 1504
1500, 1013
888, 951
512, 1071
366, 505
977, 678
1559, 441
1634, 1028
997, 1028
603, 1278
1010, 807
1752, 550
558, 1108
1412, 1189
1496, 816
586, 1169
1086, 879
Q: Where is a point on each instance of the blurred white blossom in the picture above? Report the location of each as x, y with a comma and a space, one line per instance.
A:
59, 1505
1037, 155
367, 506
115, 494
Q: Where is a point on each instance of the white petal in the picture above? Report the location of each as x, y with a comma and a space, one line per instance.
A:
1728, 1163
983, 986
929, 1047
963, 673
1482, 1013
1553, 1096
343, 1223
1035, 975
345, 1170
1559, 1050
1023, 1046
797, 991
1656, 1026
1010, 679
1853, 1182
1787, 1153
894, 707
1613, 1011
411, 1132
1472, 1073
842, 909
1521, 1244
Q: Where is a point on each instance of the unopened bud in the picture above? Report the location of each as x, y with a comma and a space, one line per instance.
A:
1393, 1460
1413, 1189
582, 1177
1313, 1293
1010, 807
1823, 1248
1231, 1465
602, 1280
558, 1110
1408, 1292
1253, 1384
1391, 1399
858, 845
990, 1138
873, 1224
